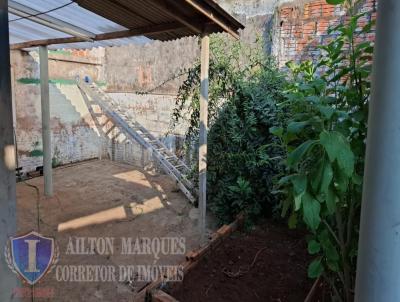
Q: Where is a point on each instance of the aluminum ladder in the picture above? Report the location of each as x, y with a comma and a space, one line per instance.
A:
167, 160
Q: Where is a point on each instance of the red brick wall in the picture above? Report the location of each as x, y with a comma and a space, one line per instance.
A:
300, 28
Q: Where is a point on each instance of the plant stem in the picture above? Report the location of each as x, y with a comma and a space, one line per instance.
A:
331, 231
343, 252
333, 286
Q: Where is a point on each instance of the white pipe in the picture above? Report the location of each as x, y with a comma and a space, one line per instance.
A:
205, 58
378, 267
46, 130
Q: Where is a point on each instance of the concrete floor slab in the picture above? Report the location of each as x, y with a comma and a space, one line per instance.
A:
104, 199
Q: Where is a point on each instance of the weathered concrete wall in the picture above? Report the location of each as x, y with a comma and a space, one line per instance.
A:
70, 64
249, 8
134, 68
155, 65
76, 133
74, 136
151, 111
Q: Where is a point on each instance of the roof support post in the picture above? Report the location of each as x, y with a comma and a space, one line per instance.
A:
46, 131
8, 280
205, 58
378, 266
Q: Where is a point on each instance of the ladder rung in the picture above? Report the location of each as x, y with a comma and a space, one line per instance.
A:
154, 143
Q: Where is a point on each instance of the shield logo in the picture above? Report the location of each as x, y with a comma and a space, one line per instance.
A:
32, 255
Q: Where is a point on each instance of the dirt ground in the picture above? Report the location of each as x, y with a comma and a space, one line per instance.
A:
269, 264
103, 199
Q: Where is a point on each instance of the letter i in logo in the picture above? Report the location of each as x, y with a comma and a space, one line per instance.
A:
32, 255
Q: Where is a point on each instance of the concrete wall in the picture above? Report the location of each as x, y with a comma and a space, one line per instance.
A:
154, 66
77, 134
134, 68
74, 136
153, 111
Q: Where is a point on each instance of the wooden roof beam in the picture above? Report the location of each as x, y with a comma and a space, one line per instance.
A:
130, 11
166, 5
206, 12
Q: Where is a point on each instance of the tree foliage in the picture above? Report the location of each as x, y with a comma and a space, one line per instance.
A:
244, 85
325, 124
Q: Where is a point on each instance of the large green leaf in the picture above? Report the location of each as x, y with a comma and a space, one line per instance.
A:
316, 176
299, 188
313, 99
327, 111
311, 210
341, 180
296, 127
327, 175
313, 247
296, 155
315, 269
333, 265
328, 247
286, 179
276, 131
331, 253
338, 148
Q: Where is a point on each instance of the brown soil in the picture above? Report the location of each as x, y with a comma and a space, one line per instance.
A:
278, 273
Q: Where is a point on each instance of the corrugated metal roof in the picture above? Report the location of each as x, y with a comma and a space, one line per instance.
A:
25, 30
105, 16
138, 13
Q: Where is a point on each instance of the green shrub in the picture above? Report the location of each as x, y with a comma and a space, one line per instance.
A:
243, 156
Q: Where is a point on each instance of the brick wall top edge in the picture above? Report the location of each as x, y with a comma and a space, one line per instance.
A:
300, 4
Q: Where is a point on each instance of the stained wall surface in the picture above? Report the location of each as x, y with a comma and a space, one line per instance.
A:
74, 136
